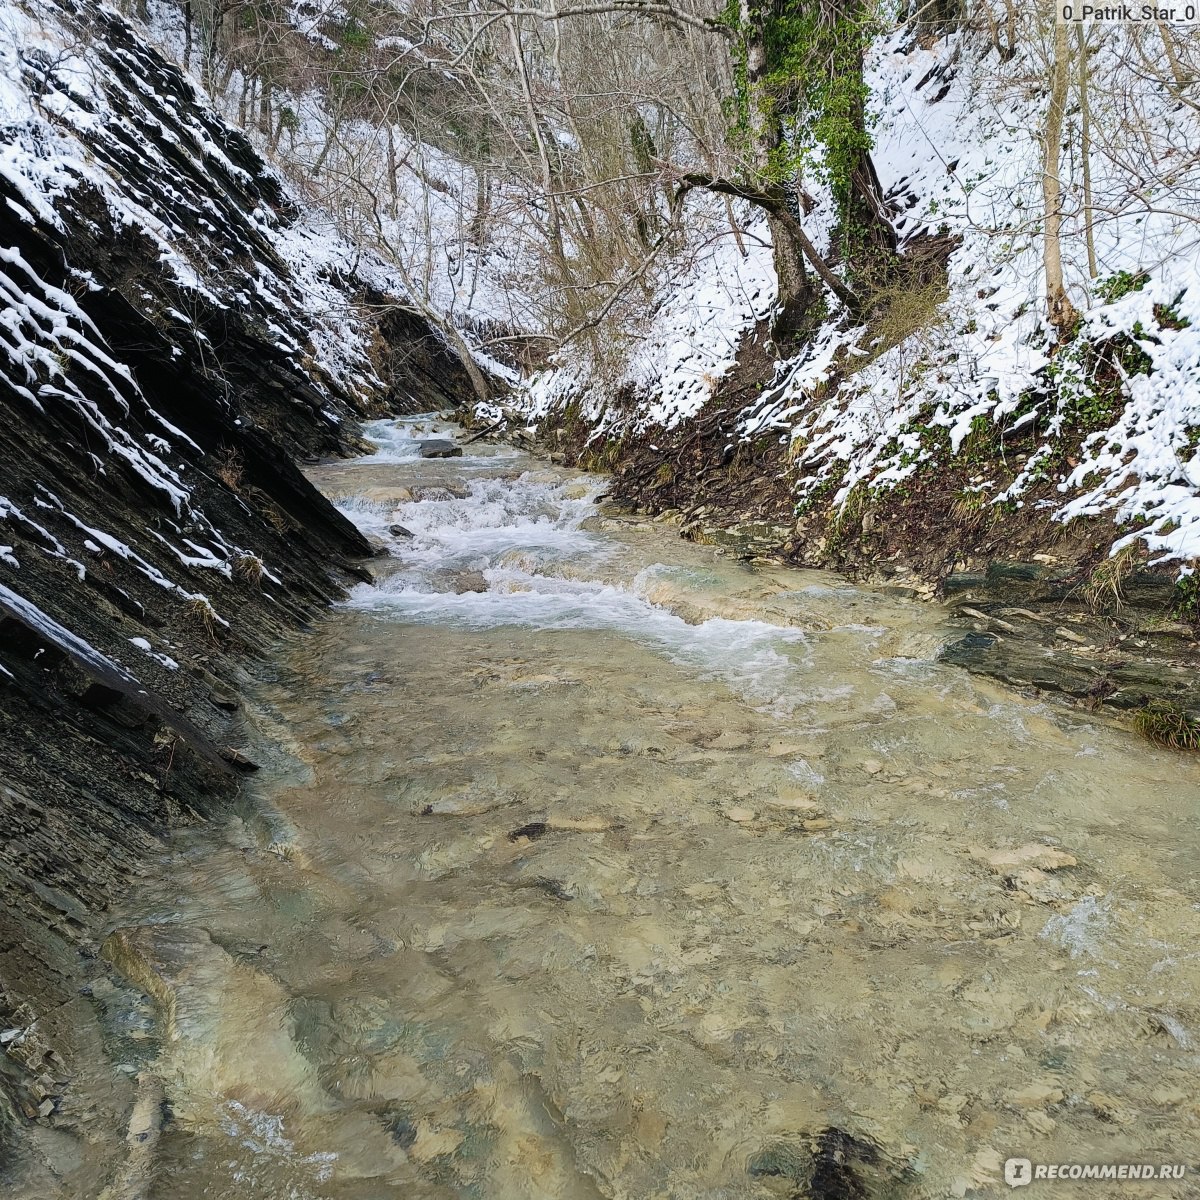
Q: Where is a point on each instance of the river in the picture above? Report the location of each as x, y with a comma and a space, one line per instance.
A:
587, 863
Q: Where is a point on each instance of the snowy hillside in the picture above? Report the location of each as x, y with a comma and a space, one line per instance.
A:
957, 146
157, 278
674, 361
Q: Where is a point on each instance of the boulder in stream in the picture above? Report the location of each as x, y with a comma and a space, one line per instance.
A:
440, 448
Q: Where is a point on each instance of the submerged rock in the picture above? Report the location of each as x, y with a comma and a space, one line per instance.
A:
833, 1164
447, 491
459, 582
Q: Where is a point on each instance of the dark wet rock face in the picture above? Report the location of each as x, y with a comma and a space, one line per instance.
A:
161, 370
1027, 625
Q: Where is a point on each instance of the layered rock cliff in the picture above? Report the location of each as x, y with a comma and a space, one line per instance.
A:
175, 333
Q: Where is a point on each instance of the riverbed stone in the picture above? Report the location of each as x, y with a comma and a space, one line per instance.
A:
1032, 854
730, 739
440, 492
439, 448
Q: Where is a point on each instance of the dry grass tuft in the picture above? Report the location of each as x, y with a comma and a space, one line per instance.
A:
249, 567
229, 468
201, 612
1104, 588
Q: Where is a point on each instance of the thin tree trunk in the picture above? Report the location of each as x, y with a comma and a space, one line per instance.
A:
733, 225
327, 146
795, 287
1181, 79
1060, 312
1010, 24
392, 168
535, 127
264, 109
1085, 110
482, 208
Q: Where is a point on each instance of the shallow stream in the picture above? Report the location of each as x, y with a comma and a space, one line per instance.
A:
591, 864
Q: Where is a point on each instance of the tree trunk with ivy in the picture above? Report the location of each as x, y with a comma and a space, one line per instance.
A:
801, 85
764, 124
866, 238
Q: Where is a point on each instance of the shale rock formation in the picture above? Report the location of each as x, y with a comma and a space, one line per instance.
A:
174, 334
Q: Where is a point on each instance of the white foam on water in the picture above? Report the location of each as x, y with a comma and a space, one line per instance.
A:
372, 517
395, 441
498, 516
1083, 929
262, 1134
400, 442
523, 534
755, 658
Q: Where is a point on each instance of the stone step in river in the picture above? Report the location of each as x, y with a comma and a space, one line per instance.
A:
587, 863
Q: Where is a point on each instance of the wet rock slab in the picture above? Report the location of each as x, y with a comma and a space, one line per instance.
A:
1122, 662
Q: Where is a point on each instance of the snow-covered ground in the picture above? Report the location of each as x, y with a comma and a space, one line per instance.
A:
973, 160
673, 363
958, 139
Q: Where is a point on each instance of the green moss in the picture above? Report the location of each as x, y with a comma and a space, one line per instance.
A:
813, 85
602, 456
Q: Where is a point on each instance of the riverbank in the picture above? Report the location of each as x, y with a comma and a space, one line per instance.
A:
178, 336
1041, 603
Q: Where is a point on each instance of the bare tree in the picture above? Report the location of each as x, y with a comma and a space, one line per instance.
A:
1060, 312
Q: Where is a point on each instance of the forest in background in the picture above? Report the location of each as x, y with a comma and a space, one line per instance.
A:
946, 226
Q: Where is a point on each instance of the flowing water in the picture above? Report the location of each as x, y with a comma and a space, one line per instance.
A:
591, 864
